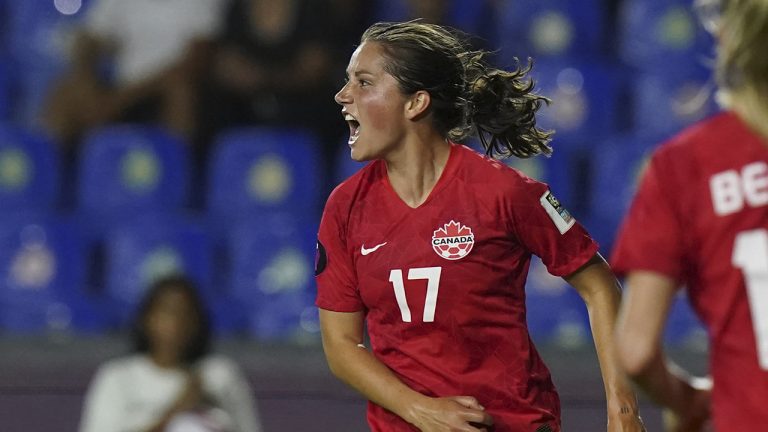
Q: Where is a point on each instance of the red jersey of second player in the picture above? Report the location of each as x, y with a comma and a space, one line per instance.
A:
442, 285
701, 217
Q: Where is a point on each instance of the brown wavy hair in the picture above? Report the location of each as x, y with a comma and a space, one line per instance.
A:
469, 97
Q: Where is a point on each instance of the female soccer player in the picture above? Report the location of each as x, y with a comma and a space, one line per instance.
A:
429, 245
700, 220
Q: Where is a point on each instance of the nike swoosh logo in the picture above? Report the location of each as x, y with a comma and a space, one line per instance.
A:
365, 251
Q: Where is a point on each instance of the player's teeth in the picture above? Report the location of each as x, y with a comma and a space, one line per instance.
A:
348, 117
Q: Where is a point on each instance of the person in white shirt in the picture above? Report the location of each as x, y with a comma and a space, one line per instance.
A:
157, 51
171, 382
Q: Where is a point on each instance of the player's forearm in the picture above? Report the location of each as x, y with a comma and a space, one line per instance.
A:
601, 293
358, 367
603, 308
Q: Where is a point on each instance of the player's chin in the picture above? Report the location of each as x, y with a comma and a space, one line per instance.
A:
358, 154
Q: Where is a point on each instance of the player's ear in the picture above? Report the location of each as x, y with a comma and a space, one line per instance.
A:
417, 104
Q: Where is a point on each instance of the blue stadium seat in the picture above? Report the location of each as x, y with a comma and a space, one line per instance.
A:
551, 28
129, 169
40, 40
585, 100
656, 33
272, 267
261, 169
554, 310
29, 171
618, 165
147, 248
667, 100
42, 277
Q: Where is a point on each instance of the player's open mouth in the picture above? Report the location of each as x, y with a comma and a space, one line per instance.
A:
354, 128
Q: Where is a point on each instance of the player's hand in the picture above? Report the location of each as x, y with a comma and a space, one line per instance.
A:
625, 422
450, 414
695, 418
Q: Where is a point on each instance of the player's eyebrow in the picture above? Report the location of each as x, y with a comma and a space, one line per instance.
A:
358, 73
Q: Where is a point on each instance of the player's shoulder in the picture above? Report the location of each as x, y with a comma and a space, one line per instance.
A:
485, 169
697, 148
703, 134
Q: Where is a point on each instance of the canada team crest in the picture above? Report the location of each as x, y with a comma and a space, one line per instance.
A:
453, 241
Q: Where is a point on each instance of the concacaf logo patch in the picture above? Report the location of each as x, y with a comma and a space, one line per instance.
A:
559, 215
453, 241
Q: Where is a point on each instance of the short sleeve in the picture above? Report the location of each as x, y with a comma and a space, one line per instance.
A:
334, 271
545, 227
651, 236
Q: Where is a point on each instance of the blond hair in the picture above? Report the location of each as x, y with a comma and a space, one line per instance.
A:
742, 63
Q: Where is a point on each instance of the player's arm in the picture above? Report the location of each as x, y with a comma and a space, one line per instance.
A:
342, 334
599, 288
644, 311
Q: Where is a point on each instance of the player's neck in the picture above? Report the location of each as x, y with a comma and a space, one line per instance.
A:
416, 169
752, 110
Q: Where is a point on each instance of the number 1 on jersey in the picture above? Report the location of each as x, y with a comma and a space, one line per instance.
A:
432, 275
750, 254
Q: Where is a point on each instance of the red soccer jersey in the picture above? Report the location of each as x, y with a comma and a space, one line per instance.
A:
442, 285
701, 217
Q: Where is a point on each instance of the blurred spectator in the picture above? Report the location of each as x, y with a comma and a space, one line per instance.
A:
170, 382
155, 51
276, 66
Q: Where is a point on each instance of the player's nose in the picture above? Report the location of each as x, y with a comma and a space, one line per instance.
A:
342, 97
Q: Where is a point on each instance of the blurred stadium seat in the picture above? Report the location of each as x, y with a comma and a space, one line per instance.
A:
585, 97
257, 170
126, 170
40, 39
618, 165
140, 251
668, 100
272, 268
655, 34
554, 310
551, 28
42, 277
29, 171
